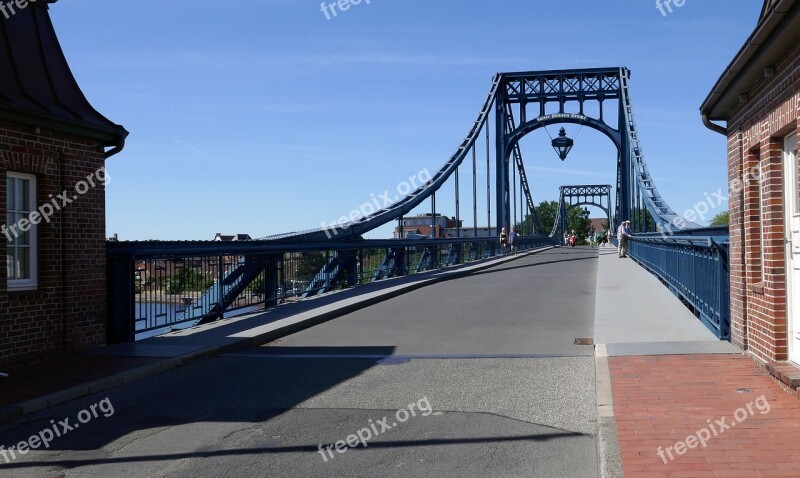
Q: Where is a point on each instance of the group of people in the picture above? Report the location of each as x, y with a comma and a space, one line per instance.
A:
624, 234
508, 239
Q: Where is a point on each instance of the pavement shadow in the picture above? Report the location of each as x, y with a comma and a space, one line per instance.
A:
223, 389
306, 449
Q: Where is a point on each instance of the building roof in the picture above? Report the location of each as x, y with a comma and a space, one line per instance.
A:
36, 84
773, 37
232, 238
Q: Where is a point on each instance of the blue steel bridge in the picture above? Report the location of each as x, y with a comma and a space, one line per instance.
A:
161, 286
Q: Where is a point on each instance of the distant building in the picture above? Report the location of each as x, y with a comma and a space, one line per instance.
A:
599, 224
758, 95
53, 147
234, 238
471, 232
422, 225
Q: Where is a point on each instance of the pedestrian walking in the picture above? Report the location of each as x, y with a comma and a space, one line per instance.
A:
503, 240
623, 237
512, 240
566, 238
609, 235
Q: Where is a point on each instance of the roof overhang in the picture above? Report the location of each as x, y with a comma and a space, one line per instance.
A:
777, 32
37, 87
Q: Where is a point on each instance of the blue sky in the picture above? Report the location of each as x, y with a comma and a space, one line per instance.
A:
262, 116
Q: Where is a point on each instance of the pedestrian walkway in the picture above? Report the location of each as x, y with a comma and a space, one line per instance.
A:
669, 383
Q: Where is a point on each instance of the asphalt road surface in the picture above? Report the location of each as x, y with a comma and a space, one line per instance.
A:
473, 377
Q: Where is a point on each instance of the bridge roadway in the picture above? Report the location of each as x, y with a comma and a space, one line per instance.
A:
488, 361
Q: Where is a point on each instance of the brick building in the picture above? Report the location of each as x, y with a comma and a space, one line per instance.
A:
53, 146
421, 225
758, 96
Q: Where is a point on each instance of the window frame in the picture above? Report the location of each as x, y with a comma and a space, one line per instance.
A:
31, 283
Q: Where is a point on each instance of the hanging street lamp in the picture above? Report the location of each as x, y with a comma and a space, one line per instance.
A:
562, 144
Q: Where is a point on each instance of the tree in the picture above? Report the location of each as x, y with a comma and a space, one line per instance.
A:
187, 279
547, 212
721, 219
576, 222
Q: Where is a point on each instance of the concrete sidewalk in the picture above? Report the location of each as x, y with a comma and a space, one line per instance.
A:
56, 381
637, 315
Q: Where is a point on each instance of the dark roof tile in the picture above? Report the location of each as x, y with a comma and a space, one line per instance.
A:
36, 84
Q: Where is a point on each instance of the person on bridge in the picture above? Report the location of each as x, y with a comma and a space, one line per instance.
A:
566, 238
512, 239
623, 235
573, 239
609, 236
503, 240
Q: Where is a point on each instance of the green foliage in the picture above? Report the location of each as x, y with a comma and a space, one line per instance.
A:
721, 219
576, 222
257, 286
187, 279
309, 264
548, 211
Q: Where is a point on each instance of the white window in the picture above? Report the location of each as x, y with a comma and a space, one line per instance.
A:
19, 233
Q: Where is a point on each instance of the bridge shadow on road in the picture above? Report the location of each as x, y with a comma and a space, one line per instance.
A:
311, 448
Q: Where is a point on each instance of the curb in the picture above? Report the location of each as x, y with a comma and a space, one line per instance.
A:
609, 461
10, 413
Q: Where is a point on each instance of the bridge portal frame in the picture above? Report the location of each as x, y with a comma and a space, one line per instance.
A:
532, 92
583, 195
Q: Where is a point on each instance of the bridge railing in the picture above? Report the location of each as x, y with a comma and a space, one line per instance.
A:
155, 287
695, 267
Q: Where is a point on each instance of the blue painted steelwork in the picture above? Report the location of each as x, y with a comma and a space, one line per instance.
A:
513, 95
636, 190
695, 268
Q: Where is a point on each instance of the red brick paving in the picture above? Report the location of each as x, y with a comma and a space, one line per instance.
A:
660, 400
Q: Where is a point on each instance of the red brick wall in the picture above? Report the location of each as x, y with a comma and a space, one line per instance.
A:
67, 311
758, 287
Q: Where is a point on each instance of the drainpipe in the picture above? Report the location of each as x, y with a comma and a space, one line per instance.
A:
714, 127
116, 149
